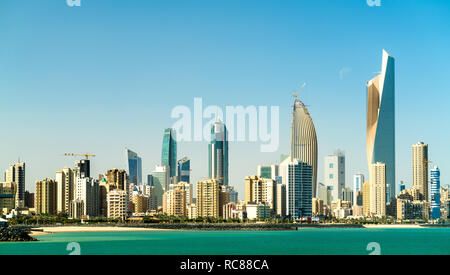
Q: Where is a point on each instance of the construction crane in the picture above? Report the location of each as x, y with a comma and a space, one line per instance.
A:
296, 94
86, 155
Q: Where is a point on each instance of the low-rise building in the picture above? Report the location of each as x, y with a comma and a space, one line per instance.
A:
257, 211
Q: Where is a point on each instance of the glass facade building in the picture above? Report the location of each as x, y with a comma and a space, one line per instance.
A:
169, 151
184, 170
380, 139
297, 176
218, 153
435, 193
134, 167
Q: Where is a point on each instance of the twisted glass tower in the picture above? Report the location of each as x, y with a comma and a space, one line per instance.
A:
304, 140
380, 140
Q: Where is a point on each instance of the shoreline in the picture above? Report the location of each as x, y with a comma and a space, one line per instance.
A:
44, 230
393, 226
74, 229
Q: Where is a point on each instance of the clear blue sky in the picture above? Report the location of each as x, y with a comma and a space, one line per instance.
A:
106, 75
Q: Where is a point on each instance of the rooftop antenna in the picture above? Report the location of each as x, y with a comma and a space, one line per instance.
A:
296, 94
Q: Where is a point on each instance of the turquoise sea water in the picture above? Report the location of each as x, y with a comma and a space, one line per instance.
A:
305, 241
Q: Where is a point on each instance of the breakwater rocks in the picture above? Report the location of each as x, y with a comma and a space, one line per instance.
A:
16, 234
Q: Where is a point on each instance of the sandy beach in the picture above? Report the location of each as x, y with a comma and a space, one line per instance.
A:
392, 226
68, 229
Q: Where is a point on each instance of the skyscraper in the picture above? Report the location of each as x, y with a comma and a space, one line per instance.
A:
420, 169
218, 153
297, 176
83, 168
16, 174
381, 121
304, 140
335, 174
169, 151
378, 189
134, 167
435, 193
358, 181
184, 170
160, 181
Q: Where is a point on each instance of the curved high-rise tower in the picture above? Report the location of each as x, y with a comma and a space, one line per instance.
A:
304, 140
381, 122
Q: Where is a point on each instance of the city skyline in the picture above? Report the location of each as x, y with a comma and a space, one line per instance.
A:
340, 98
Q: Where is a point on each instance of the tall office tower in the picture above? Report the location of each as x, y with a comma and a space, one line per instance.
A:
87, 190
435, 193
420, 169
347, 194
83, 168
366, 199
218, 153
335, 174
297, 176
134, 167
268, 171
7, 197
117, 201
65, 186
208, 198
261, 190
169, 151
381, 121
161, 182
46, 197
378, 189
358, 181
117, 178
304, 140
281, 200
184, 170
16, 173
